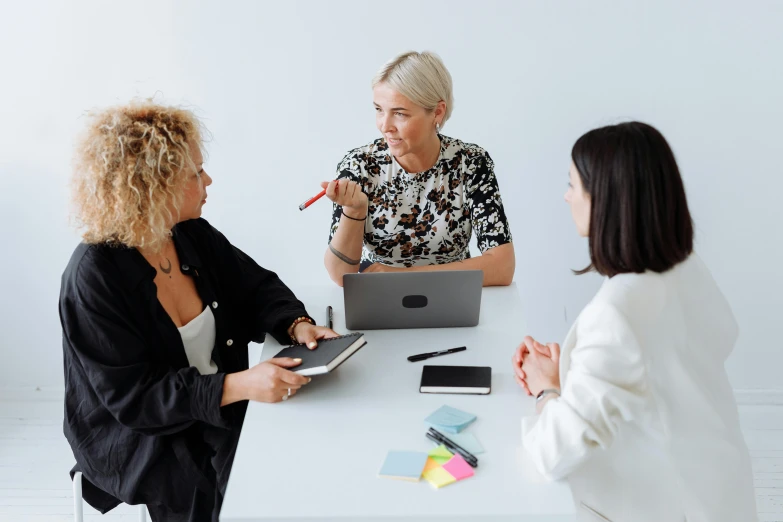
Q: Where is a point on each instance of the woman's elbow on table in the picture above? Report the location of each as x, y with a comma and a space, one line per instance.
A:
503, 262
507, 276
335, 274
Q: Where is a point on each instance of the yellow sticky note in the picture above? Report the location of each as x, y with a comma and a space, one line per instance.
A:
441, 455
430, 464
439, 477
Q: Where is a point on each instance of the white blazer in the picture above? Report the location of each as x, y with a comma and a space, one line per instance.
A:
647, 427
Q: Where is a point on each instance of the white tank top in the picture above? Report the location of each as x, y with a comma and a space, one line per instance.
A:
198, 336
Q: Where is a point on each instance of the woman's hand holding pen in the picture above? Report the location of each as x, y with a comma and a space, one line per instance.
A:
343, 255
348, 194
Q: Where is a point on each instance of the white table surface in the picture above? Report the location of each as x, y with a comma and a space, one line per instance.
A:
317, 456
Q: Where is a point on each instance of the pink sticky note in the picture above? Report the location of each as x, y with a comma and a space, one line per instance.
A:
458, 468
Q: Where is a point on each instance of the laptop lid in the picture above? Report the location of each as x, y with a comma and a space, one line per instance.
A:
412, 300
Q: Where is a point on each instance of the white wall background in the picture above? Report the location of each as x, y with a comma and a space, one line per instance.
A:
284, 88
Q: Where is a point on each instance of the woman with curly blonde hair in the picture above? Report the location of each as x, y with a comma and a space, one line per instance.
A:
157, 309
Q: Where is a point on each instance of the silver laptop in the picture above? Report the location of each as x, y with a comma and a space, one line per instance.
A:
412, 300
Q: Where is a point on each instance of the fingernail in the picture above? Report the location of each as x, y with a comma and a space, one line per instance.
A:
311, 344
297, 360
310, 379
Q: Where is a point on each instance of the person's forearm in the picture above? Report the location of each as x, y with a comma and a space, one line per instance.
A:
347, 242
497, 263
233, 388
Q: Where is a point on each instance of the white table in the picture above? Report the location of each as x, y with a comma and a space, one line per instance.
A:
317, 456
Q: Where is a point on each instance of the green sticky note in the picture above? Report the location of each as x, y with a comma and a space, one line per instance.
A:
440, 454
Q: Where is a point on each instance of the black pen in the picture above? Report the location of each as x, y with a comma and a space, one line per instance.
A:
472, 462
422, 356
453, 446
329, 322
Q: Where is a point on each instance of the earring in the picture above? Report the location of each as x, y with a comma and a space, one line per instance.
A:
437, 127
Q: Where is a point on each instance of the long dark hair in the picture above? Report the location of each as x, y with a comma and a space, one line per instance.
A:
639, 218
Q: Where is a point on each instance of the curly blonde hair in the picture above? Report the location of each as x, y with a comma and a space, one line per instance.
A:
130, 169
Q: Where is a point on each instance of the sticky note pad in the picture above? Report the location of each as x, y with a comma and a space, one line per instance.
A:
441, 455
430, 464
450, 420
467, 441
439, 477
458, 468
403, 465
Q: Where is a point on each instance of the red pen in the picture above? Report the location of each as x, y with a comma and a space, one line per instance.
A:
316, 197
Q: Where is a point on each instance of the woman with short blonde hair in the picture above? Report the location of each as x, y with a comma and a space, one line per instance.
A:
420, 77
157, 309
412, 199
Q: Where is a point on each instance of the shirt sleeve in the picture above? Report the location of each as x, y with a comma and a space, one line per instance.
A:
269, 305
487, 215
350, 169
142, 395
605, 387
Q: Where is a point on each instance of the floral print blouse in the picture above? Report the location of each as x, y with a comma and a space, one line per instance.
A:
427, 217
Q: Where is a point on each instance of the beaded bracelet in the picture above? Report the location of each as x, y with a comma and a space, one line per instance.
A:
296, 322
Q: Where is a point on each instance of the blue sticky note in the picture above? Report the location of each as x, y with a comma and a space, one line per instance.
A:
449, 420
403, 465
467, 441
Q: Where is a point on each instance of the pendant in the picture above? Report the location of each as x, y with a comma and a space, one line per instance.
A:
166, 270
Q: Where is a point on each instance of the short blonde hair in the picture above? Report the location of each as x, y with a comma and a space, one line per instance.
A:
130, 169
420, 77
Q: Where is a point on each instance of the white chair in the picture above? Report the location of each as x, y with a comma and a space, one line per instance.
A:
78, 504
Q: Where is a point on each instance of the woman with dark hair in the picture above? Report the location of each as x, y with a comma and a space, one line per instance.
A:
636, 411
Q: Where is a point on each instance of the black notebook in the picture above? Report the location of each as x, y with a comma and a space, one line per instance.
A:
329, 354
456, 379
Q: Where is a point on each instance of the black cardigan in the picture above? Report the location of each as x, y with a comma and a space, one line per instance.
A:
130, 393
